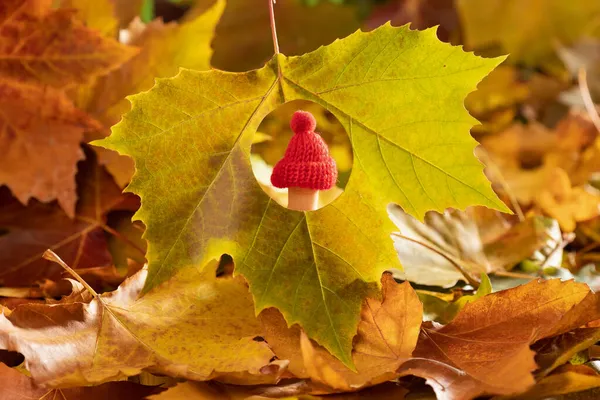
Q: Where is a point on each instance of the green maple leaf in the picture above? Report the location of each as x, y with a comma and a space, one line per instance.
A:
399, 94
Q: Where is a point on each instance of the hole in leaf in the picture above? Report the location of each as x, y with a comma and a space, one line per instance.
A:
11, 358
225, 267
306, 163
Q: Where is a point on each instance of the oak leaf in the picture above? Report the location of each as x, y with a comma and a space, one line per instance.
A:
387, 334
194, 326
485, 349
190, 137
16, 386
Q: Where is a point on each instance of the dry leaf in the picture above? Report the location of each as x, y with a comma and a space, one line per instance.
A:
568, 205
387, 334
569, 379
16, 386
485, 349
195, 326
459, 237
164, 48
29, 231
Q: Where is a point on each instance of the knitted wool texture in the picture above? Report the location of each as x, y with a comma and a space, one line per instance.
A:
306, 163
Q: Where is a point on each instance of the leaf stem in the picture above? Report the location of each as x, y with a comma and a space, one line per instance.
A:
52, 256
273, 27
472, 281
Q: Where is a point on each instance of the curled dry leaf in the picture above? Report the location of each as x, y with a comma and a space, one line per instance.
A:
387, 334
194, 326
485, 349
16, 386
478, 240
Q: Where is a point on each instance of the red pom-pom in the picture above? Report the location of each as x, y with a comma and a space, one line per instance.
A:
303, 121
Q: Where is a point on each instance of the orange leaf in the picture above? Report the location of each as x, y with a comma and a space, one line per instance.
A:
387, 334
485, 349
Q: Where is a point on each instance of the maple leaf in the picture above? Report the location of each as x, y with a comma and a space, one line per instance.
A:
195, 326
190, 137
485, 349
17, 386
527, 29
387, 334
40, 136
44, 46
97, 14
30, 230
43, 50
164, 48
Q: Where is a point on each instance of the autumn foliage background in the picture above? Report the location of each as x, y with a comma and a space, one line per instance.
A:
487, 303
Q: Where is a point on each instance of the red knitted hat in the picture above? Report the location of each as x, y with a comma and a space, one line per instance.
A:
306, 163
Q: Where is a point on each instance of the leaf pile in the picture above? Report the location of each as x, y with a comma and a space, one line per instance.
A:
439, 268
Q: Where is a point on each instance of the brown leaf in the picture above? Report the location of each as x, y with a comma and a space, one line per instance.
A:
567, 381
556, 351
485, 349
387, 334
164, 48
33, 229
40, 135
195, 326
16, 386
43, 46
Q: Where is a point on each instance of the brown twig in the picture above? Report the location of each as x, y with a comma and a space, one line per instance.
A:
273, 28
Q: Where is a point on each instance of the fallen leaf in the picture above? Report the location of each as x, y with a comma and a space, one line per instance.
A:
30, 230
44, 50
566, 381
164, 48
97, 14
430, 252
387, 334
527, 29
39, 45
567, 204
40, 143
16, 386
442, 311
194, 326
553, 352
485, 349
330, 259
